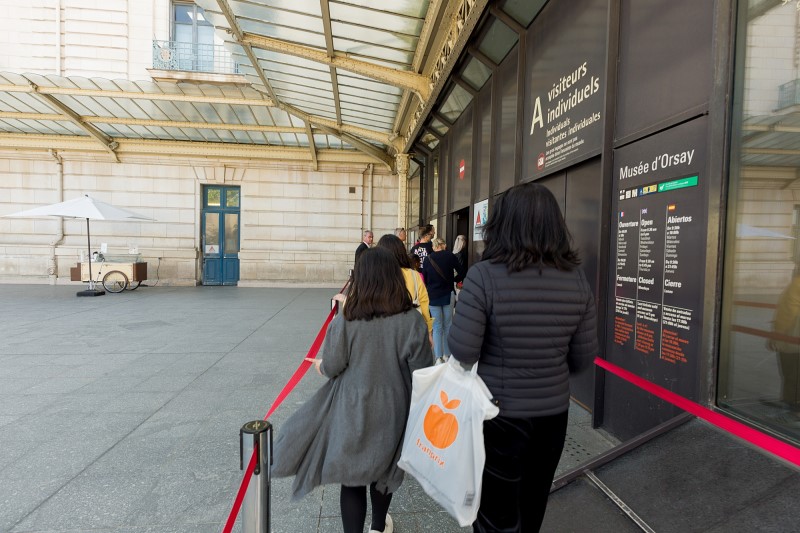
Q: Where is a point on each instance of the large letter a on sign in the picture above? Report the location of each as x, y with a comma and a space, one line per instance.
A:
537, 115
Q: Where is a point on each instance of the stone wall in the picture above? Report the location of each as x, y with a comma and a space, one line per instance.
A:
297, 225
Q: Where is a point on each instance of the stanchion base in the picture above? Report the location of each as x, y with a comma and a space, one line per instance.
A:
91, 292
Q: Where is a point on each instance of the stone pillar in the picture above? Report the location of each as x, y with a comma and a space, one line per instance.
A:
401, 161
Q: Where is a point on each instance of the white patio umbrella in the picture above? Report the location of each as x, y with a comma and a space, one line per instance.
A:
90, 209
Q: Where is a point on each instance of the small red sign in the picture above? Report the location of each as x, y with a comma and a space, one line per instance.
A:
540, 162
462, 168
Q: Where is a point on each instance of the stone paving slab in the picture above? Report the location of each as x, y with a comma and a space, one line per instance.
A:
120, 414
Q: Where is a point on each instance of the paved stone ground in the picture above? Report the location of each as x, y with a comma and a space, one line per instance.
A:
121, 413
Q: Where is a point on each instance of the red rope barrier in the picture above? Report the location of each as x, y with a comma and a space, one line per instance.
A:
290, 385
765, 442
237, 502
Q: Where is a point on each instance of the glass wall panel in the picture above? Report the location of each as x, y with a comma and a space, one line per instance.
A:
497, 41
760, 343
476, 73
523, 11
456, 102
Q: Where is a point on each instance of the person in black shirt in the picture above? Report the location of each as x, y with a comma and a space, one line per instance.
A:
366, 244
441, 270
423, 247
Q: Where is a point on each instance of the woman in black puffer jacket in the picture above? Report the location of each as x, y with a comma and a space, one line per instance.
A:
527, 313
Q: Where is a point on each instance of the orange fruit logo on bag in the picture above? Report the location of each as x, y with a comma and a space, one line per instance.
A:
441, 428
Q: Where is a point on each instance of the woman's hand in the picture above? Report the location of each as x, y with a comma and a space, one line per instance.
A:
430, 338
317, 364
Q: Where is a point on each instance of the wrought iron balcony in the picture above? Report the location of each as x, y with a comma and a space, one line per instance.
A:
193, 57
789, 94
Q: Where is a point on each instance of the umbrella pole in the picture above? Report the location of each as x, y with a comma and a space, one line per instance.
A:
91, 291
89, 249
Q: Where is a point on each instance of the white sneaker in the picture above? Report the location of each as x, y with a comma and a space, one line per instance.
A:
388, 527
439, 361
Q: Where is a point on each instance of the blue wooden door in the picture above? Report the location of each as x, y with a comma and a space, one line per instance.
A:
220, 235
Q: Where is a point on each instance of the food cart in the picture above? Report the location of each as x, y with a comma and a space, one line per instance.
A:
116, 272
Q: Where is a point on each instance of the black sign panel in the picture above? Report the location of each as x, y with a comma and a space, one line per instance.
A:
665, 65
564, 86
658, 254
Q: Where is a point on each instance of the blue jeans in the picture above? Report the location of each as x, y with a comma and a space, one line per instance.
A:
442, 317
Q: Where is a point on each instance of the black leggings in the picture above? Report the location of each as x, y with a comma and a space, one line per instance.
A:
521, 457
353, 502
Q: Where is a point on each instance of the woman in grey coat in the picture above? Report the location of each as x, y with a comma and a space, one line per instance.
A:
351, 431
527, 313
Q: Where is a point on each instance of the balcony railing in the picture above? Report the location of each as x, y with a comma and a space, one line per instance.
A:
193, 57
789, 94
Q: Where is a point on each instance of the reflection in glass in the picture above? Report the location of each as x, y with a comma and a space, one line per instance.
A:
439, 126
232, 198
213, 197
455, 103
231, 233
523, 11
211, 237
476, 73
760, 341
498, 41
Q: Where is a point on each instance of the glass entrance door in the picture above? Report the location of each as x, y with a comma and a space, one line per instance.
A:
220, 235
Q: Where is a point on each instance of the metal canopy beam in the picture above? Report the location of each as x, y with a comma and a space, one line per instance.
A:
462, 24
366, 133
193, 98
148, 147
234, 29
365, 147
154, 123
420, 53
399, 78
326, 24
312, 146
108, 143
344, 133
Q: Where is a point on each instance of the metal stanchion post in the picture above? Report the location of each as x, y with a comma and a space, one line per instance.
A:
256, 435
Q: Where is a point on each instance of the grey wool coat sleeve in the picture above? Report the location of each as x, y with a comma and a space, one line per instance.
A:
528, 330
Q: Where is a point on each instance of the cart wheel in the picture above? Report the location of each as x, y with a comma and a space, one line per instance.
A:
115, 281
133, 285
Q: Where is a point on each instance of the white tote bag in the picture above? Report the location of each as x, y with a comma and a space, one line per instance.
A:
443, 444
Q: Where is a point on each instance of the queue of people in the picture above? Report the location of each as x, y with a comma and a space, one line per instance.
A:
392, 323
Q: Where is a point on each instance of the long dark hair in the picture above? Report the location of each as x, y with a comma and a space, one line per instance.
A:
397, 249
378, 288
526, 228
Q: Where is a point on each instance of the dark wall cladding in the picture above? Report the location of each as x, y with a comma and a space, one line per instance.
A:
483, 146
664, 63
444, 173
505, 116
564, 86
460, 174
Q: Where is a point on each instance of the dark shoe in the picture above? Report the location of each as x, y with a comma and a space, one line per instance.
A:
387, 528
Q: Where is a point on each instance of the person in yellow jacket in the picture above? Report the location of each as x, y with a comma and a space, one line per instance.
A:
787, 322
414, 283
413, 279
